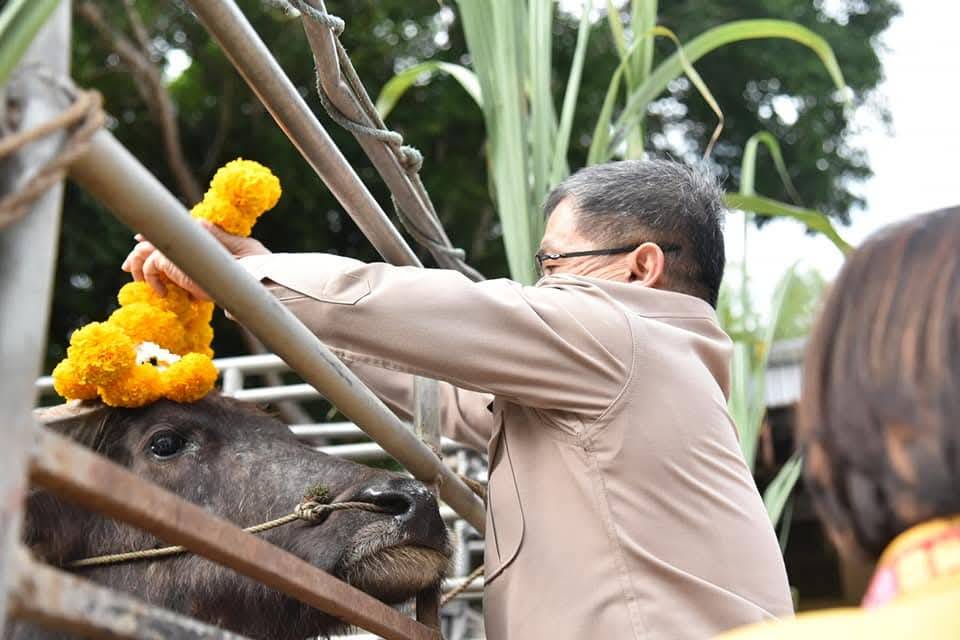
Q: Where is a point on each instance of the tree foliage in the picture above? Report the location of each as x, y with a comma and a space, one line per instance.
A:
219, 119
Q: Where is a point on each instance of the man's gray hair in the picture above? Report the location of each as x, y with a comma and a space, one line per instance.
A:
660, 201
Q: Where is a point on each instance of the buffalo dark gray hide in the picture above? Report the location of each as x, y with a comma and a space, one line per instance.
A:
246, 467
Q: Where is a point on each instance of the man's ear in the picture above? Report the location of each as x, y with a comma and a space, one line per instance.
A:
646, 264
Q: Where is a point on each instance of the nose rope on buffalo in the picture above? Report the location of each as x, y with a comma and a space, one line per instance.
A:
309, 511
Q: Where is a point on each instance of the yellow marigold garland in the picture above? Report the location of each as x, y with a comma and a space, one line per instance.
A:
123, 360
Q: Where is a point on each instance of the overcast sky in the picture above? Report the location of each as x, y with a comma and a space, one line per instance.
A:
916, 167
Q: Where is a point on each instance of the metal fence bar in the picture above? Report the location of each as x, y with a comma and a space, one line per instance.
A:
28, 250
117, 179
251, 57
80, 475
426, 424
57, 600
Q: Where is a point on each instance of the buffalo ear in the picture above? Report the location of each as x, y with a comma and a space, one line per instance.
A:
72, 410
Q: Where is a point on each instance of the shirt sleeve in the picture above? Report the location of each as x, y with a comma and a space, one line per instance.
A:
540, 347
464, 415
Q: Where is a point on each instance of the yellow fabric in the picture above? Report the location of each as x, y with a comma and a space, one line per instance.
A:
931, 612
916, 584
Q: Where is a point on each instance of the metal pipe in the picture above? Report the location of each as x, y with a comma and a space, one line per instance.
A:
277, 394
57, 600
413, 203
367, 451
111, 174
28, 254
81, 476
251, 57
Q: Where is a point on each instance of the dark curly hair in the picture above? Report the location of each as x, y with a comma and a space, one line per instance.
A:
879, 420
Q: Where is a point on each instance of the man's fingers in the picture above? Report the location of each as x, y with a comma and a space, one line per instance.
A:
153, 272
137, 256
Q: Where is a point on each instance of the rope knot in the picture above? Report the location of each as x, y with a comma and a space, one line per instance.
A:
332, 22
410, 158
310, 510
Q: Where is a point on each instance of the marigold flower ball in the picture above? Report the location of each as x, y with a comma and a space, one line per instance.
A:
247, 185
66, 383
100, 353
189, 379
177, 300
138, 387
143, 322
220, 211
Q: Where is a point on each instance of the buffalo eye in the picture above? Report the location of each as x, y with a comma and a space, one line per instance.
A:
166, 444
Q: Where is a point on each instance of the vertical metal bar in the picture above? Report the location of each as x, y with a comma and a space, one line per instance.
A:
251, 57
426, 422
27, 258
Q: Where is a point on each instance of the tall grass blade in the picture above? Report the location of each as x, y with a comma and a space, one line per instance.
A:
814, 220
731, 32
398, 85
700, 85
20, 21
560, 168
778, 491
748, 166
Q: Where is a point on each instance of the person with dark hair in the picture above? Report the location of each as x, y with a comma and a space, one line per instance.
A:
619, 504
879, 427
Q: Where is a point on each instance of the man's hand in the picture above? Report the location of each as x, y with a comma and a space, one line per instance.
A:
147, 264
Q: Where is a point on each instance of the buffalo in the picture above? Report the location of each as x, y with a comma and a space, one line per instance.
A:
245, 466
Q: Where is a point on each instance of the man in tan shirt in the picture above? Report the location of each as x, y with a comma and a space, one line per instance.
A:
619, 503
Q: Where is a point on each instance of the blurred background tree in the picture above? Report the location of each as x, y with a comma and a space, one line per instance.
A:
777, 88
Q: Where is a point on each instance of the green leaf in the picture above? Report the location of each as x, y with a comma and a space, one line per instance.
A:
601, 131
619, 38
19, 23
543, 125
560, 168
736, 31
778, 491
700, 85
740, 398
748, 167
814, 220
391, 92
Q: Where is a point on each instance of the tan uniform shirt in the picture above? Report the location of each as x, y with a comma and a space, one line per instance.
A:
619, 503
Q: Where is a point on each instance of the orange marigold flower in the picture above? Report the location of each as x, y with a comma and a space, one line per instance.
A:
248, 185
177, 300
199, 336
143, 322
140, 386
220, 211
100, 353
66, 383
189, 379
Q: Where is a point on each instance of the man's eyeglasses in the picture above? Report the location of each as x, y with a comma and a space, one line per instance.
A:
542, 256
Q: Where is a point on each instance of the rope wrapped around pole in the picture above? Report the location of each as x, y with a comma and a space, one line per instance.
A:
82, 119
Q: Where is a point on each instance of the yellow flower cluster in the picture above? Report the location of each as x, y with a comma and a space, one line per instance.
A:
239, 193
106, 359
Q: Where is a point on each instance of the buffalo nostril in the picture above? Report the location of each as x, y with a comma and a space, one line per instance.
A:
401, 497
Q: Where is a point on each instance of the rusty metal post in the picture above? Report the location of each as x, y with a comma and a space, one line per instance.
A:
426, 423
57, 600
28, 251
137, 198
